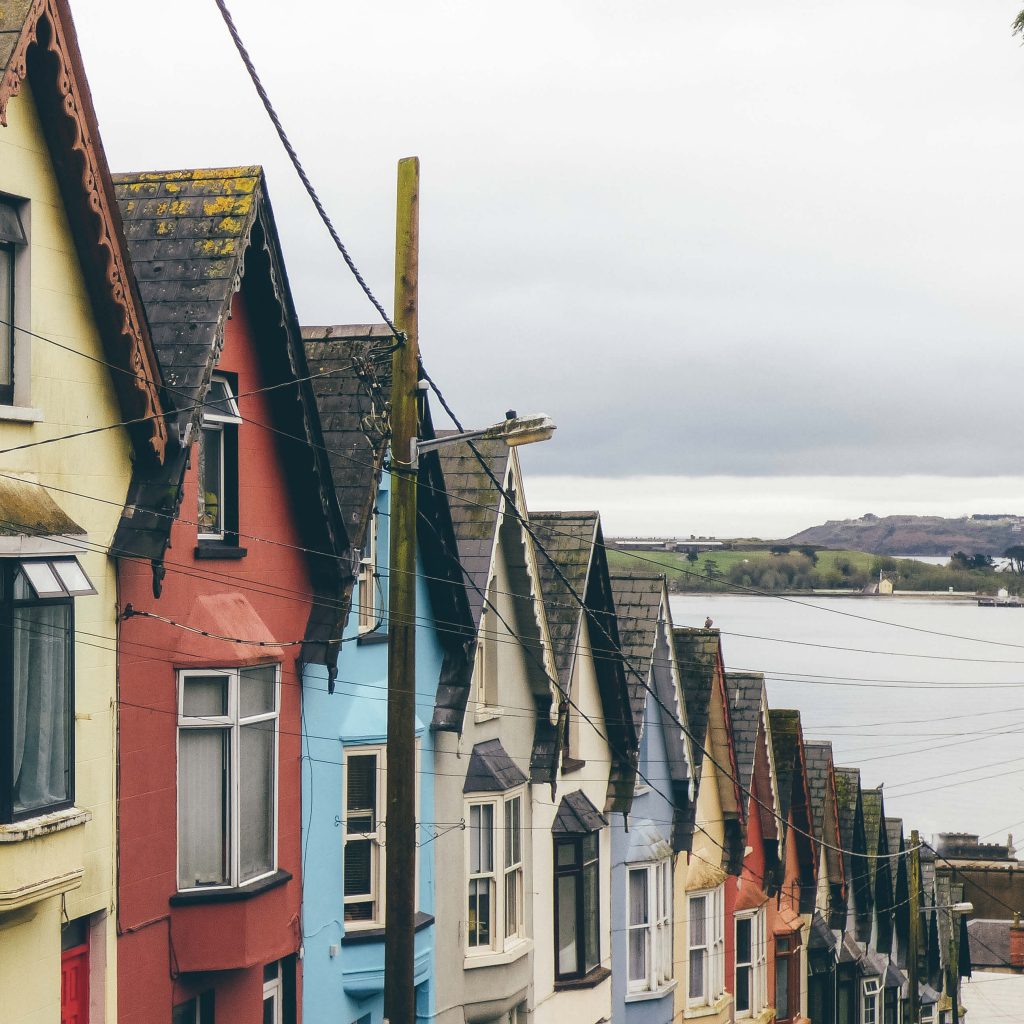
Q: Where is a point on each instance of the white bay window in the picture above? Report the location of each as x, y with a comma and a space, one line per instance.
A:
227, 776
494, 920
650, 926
751, 988
706, 932
365, 788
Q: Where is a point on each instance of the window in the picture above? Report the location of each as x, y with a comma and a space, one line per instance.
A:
218, 463
273, 995
928, 1014
487, 656
751, 987
369, 582
706, 931
577, 911
650, 926
37, 700
12, 238
227, 776
891, 1003
365, 787
870, 996
494, 916
195, 1011
787, 977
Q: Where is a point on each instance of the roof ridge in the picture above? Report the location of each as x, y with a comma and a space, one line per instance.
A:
191, 173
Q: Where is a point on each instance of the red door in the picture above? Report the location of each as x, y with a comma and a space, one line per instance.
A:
74, 985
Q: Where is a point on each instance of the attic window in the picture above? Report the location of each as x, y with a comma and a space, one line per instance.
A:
12, 238
218, 463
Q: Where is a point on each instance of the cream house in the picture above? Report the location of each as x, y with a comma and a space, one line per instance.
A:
718, 845
75, 359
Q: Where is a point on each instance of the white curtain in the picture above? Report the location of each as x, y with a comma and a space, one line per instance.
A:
256, 822
202, 807
41, 713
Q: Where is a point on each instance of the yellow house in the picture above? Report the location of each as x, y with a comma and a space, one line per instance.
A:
75, 359
718, 845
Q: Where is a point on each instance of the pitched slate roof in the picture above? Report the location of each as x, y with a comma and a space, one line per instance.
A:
894, 835
474, 509
744, 691
13, 16
989, 942
638, 599
491, 769
353, 386
187, 231
568, 537
847, 792
871, 801
819, 759
697, 652
576, 815
785, 725
573, 568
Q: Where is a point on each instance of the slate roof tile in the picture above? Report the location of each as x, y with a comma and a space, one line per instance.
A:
744, 691
638, 598
491, 769
697, 652
576, 815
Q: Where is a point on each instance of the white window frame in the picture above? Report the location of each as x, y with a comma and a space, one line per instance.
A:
232, 723
18, 408
713, 979
758, 963
375, 837
487, 647
214, 422
368, 601
928, 1014
499, 874
871, 999
273, 992
657, 928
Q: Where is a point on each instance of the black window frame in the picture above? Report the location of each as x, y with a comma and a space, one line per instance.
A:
579, 868
228, 537
9, 568
12, 238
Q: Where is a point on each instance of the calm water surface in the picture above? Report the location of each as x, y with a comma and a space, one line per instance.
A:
938, 720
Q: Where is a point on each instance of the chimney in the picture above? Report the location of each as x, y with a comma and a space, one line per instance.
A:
1017, 943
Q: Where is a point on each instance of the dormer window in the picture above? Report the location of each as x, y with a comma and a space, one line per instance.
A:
218, 463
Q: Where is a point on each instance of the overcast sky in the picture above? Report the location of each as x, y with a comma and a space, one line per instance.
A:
745, 239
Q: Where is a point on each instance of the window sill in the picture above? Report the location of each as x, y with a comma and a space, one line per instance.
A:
591, 980
508, 956
658, 993
374, 636
487, 712
227, 894
213, 550
720, 1005
21, 414
375, 933
44, 824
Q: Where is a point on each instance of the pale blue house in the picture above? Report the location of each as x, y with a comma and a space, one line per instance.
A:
345, 710
660, 824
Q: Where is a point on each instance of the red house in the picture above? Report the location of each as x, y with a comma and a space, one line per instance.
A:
790, 916
748, 951
220, 596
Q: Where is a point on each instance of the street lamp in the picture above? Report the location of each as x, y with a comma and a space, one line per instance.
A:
514, 430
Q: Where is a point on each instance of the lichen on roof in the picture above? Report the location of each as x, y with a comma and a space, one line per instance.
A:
28, 509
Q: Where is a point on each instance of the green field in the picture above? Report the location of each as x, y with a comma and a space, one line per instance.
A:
674, 562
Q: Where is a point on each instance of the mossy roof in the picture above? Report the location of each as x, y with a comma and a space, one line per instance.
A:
697, 652
638, 598
744, 691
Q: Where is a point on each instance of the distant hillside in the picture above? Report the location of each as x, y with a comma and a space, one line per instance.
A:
918, 535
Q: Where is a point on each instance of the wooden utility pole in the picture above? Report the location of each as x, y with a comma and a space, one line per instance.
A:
400, 823
915, 927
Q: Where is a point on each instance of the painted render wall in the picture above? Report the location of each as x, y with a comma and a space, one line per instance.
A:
234, 939
588, 1004
651, 804
347, 985
700, 870
484, 987
69, 394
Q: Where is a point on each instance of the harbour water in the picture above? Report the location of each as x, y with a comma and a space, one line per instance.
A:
925, 696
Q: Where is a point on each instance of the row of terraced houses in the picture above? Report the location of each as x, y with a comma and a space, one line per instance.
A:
194, 509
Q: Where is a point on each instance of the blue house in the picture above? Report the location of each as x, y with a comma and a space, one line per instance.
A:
345, 706
660, 824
